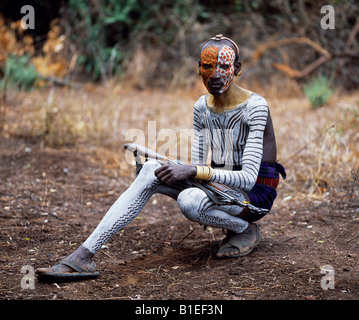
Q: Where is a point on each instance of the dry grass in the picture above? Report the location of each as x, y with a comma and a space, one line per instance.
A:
319, 147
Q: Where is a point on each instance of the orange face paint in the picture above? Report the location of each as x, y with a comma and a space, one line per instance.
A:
209, 57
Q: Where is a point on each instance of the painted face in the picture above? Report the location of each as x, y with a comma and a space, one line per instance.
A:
217, 68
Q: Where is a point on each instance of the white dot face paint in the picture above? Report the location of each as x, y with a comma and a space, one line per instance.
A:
225, 66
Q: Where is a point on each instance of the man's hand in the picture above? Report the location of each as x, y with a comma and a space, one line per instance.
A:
170, 173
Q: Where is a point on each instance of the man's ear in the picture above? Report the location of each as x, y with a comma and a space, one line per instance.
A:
237, 68
199, 68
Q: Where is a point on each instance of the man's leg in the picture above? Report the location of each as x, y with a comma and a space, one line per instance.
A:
197, 206
121, 213
126, 207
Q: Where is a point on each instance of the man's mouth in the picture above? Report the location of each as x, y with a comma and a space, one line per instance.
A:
215, 85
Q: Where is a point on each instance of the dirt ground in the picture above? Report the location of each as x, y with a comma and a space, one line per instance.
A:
51, 199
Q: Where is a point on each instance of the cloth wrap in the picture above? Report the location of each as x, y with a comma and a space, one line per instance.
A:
262, 195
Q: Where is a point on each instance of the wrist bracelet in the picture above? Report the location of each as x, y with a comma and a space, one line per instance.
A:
204, 172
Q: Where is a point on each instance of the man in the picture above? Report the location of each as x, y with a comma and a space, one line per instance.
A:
232, 122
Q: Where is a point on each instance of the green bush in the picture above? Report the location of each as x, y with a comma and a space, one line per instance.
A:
96, 34
318, 91
19, 73
104, 32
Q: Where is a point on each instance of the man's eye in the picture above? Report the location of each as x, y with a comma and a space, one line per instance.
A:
224, 66
206, 66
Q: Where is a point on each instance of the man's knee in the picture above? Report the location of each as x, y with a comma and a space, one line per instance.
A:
148, 169
189, 201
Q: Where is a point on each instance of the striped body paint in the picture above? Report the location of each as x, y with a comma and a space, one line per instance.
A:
233, 138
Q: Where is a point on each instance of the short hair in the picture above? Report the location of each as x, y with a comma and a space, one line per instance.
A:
219, 40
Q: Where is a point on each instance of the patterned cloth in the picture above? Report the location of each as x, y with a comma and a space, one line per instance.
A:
261, 195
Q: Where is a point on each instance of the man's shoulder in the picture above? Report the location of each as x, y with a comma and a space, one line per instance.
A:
256, 100
200, 104
256, 105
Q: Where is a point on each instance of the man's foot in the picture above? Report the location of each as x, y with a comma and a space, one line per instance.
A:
66, 266
239, 244
77, 266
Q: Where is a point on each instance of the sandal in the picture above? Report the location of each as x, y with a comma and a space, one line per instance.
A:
79, 274
234, 241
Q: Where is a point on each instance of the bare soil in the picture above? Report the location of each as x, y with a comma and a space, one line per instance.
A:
51, 199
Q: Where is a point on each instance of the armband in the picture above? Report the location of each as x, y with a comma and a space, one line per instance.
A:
204, 173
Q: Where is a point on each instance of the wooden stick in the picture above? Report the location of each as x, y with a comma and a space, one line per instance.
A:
274, 44
294, 73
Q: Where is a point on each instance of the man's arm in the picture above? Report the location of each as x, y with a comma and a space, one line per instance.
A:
199, 151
